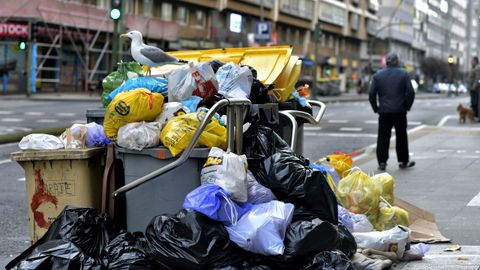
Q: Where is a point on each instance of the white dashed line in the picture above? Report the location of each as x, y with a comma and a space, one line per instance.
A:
79, 121
8, 145
338, 121
312, 128
371, 122
351, 129
445, 119
47, 121
22, 179
475, 201
346, 135
414, 123
66, 114
5, 161
5, 112
35, 113
12, 119
445, 150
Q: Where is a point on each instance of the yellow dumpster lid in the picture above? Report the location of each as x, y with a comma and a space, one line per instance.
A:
58, 154
268, 61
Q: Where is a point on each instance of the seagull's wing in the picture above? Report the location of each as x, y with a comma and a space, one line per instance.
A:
156, 55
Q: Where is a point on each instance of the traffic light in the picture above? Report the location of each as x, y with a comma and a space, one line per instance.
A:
328, 72
450, 60
115, 9
22, 45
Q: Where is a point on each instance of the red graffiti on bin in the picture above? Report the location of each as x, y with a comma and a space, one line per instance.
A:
40, 197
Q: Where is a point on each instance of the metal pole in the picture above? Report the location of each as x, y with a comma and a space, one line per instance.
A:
238, 129
315, 64
261, 20
115, 44
230, 129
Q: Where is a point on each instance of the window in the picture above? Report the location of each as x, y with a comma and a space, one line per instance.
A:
102, 4
147, 8
200, 18
182, 15
166, 12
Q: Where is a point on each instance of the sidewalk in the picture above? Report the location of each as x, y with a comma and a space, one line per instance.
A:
444, 182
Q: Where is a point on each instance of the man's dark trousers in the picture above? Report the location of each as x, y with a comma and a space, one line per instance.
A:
385, 123
474, 101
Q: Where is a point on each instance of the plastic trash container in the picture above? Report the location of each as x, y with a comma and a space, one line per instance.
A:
95, 115
57, 178
164, 194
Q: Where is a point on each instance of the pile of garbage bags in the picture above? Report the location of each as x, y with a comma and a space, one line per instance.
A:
267, 209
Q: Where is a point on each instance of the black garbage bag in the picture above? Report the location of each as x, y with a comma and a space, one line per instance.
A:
190, 240
84, 227
347, 243
259, 92
329, 260
58, 254
244, 266
128, 252
260, 142
216, 64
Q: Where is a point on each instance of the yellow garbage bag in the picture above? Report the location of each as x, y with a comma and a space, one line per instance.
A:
132, 106
389, 217
385, 183
359, 194
341, 162
178, 132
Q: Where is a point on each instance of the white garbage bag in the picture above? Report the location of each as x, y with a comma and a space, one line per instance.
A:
262, 229
256, 192
169, 110
198, 80
139, 135
361, 223
234, 81
229, 171
394, 240
37, 141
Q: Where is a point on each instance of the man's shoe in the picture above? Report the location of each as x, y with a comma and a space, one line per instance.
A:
404, 165
382, 166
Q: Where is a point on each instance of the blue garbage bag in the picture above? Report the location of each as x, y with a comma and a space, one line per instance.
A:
191, 103
154, 84
214, 202
345, 218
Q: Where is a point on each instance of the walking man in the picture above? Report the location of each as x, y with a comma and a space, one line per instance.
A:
474, 85
395, 95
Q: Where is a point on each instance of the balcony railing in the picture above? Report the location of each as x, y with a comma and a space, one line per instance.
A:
298, 8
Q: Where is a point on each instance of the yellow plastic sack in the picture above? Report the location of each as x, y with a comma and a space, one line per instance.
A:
385, 184
131, 106
178, 132
389, 217
341, 162
359, 194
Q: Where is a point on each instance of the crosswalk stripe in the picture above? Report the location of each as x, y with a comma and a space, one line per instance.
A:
371, 122
414, 123
312, 128
5, 112
35, 113
5, 161
337, 134
351, 129
47, 121
12, 119
338, 121
66, 114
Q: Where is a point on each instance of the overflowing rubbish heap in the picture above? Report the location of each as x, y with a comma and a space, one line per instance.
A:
266, 209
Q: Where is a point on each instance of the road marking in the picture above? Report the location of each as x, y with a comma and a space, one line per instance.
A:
371, 122
414, 123
338, 121
8, 144
461, 151
351, 129
475, 201
35, 113
82, 122
445, 150
312, 128
5, 112
66, 114
22, 179
5, 161
445, 119
47, 121
12, 119
366, 135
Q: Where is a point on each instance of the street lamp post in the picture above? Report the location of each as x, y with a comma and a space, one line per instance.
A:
450, 61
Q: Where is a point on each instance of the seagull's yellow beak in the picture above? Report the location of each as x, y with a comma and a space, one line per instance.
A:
123, 36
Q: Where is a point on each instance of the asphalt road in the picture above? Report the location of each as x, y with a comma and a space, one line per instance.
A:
350, 126
26, 115
346, 127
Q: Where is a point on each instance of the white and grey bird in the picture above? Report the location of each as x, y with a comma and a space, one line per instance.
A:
148, 55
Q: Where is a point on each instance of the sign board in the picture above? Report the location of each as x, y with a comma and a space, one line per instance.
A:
13, 30
235, 23
263, 31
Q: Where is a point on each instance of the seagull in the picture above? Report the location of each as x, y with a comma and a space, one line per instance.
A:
148, 55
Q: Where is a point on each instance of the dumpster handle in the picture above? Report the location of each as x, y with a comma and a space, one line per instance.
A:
293, 141
186, 153
314, 121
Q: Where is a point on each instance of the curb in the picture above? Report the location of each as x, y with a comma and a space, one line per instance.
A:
15, 137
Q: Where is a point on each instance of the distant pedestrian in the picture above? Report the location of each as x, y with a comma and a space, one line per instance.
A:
395, 94
474, 85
